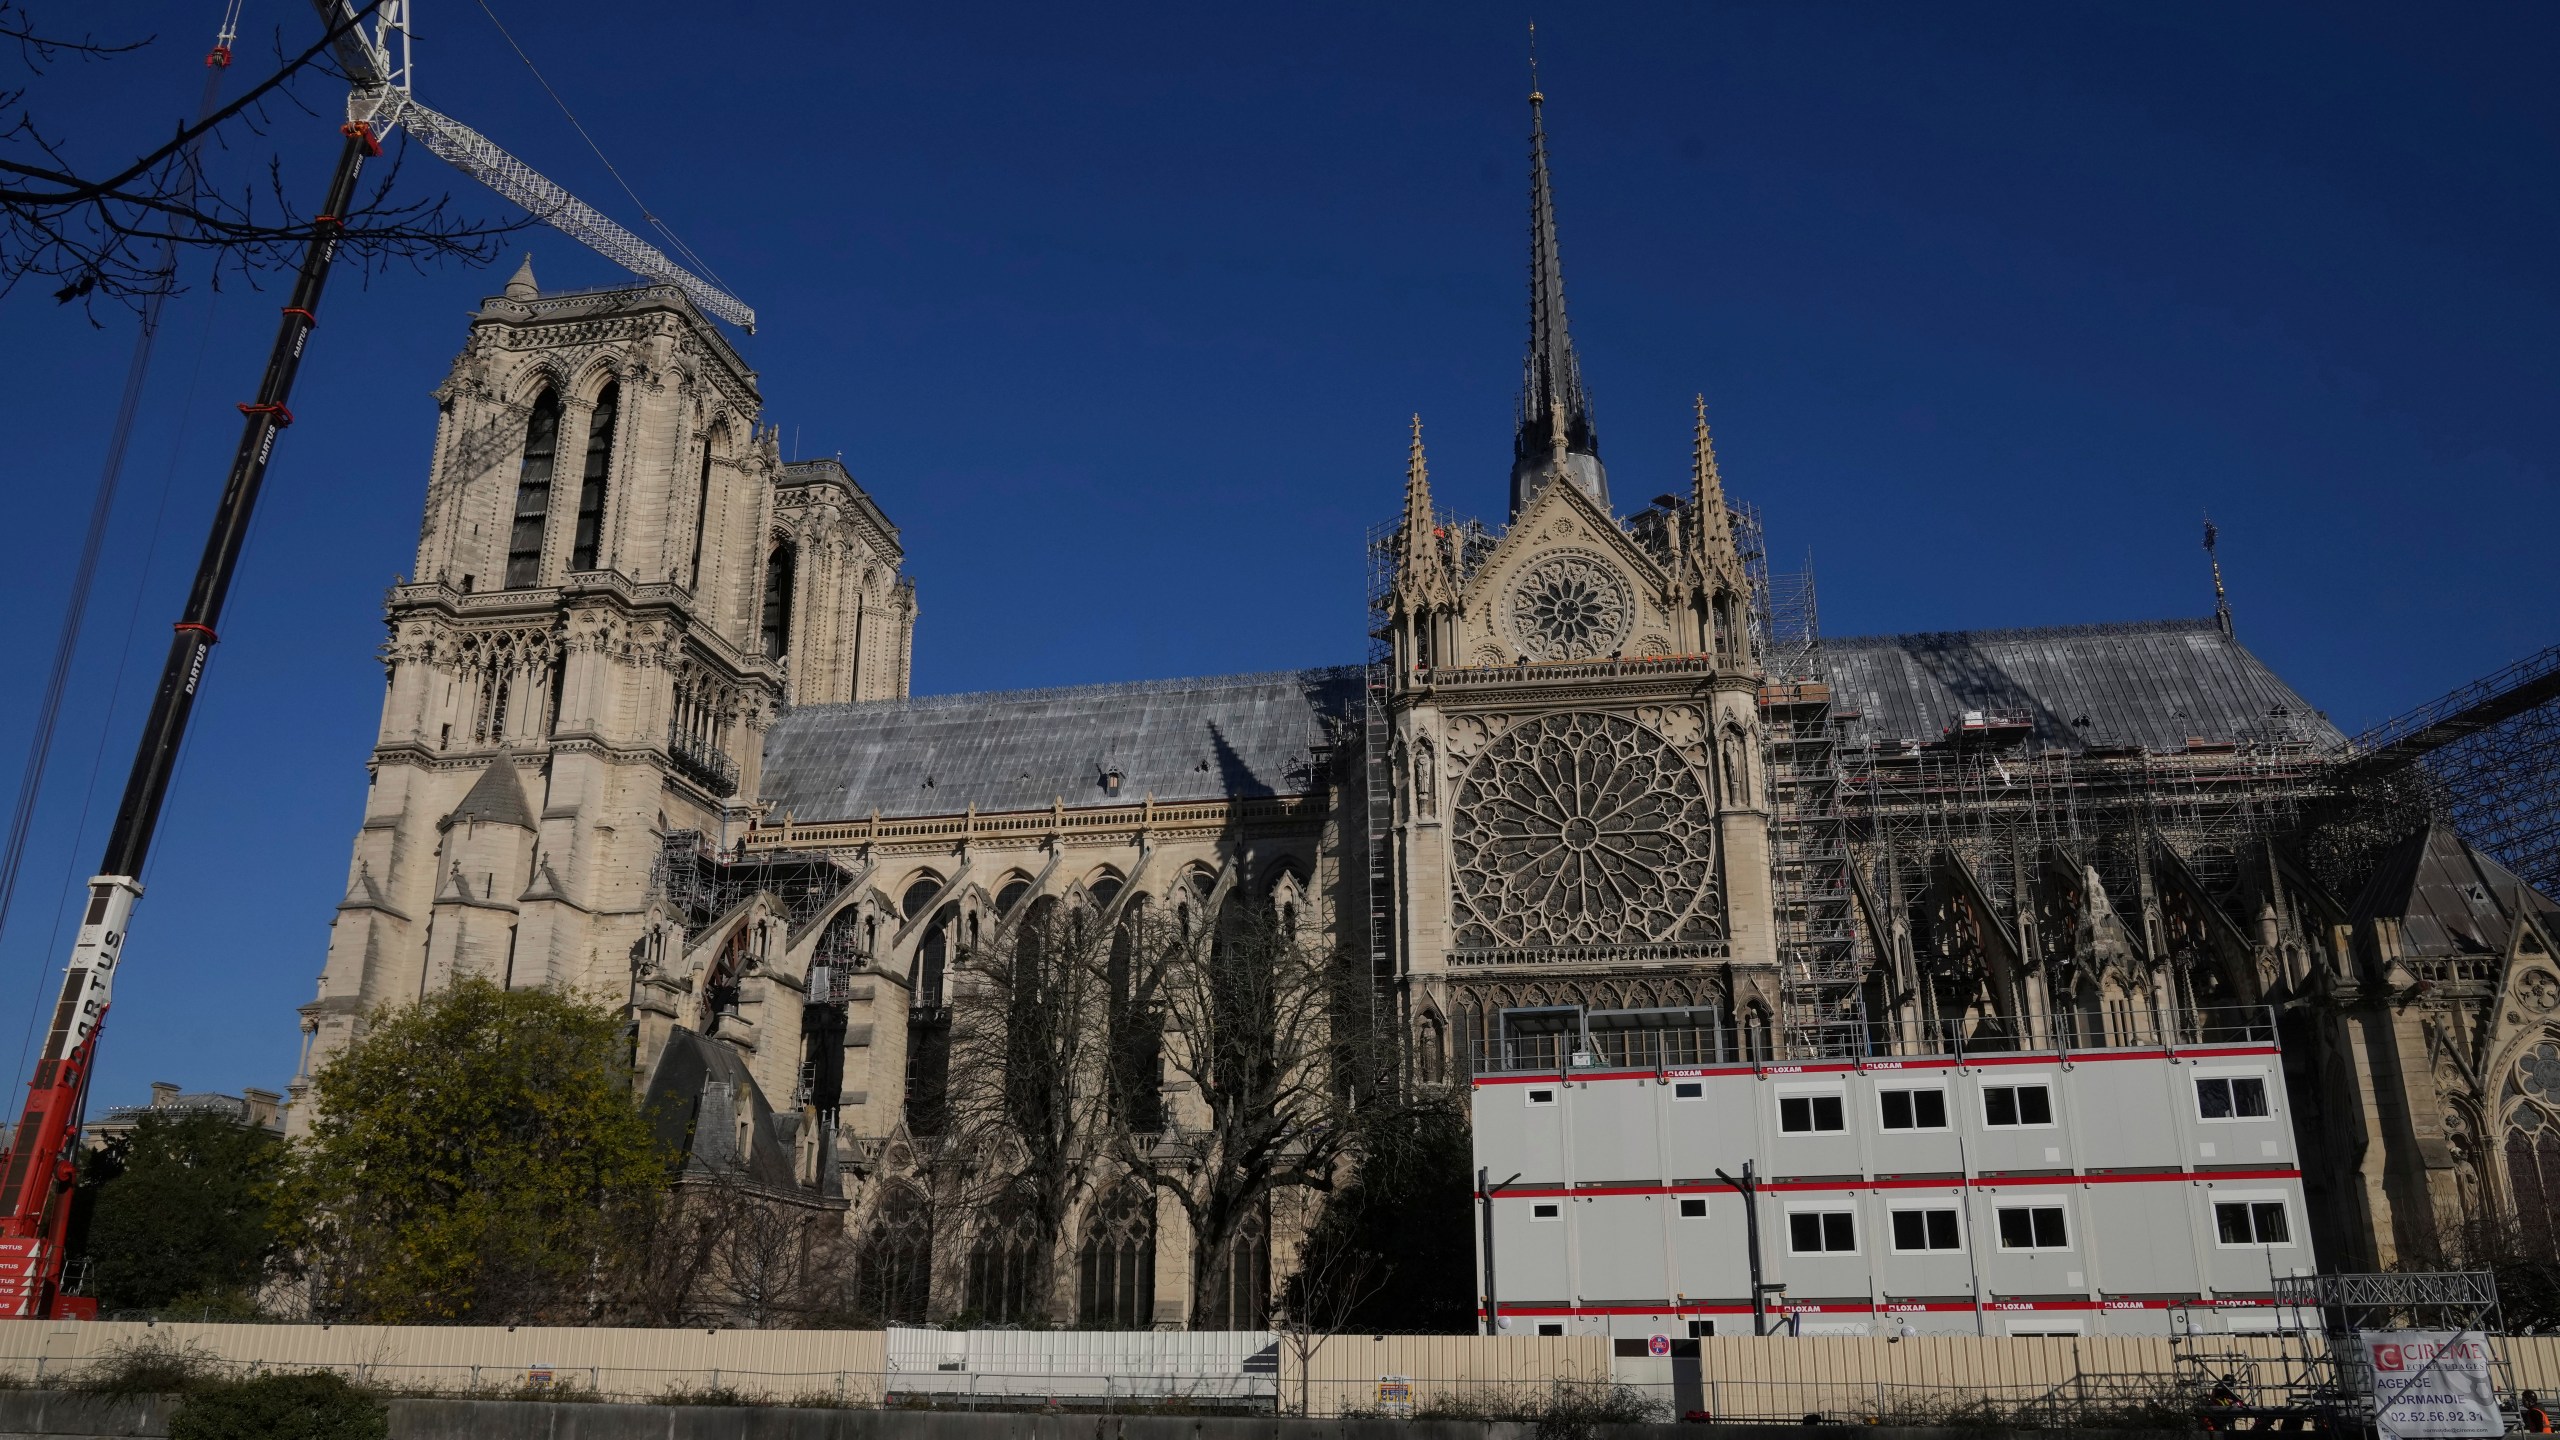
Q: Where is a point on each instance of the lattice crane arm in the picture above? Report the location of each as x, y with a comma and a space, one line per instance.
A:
378, 64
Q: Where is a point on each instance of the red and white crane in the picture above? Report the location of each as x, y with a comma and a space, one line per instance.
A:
38, 1169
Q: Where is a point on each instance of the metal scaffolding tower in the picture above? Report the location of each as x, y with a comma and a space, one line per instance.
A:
1821, 963
1375, 724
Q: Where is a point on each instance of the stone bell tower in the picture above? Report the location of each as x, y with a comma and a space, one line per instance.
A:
591, 649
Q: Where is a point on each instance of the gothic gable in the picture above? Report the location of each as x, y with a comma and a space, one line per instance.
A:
1565, 583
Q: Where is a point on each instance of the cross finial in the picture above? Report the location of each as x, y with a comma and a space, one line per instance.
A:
2221, 600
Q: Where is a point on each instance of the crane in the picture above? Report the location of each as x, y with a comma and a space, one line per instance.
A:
37, 1171
379, 64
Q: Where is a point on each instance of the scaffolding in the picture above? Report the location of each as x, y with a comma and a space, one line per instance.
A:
1378, 857
2325, 1316
702, 884
1821, 964
2486, 757
1984, 811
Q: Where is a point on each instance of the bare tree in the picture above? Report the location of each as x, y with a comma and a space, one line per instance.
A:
721, 1249
1333, 1280
1026, 1094
1255, 1020
96, 224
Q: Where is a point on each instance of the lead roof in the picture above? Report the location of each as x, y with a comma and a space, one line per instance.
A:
1214, 738
2155, 684
2450, 898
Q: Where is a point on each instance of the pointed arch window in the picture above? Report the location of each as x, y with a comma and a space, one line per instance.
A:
1136, 1026
533, 492
778, 569
589, 544
702, 509
893, 1273
1239, 1295
1004, 1265
1116, 1267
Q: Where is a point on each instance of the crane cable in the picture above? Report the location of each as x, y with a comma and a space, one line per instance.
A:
645, 212
13, 853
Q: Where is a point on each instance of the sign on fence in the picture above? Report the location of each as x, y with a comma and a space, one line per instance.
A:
2432, 1384
1395, 1394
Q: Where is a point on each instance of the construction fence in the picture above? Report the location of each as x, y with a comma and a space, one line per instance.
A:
1730, 1377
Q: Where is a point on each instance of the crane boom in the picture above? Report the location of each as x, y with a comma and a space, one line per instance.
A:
379, 64
479, 157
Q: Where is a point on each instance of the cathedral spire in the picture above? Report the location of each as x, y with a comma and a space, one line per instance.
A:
1551, 379
1706, 482
1422, 574
1712, 523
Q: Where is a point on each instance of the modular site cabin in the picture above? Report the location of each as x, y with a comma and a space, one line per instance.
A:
2146, 1187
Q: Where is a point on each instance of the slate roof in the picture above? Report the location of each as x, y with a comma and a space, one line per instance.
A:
1211, 738
674, 1108
2450, 898
497, 797
2155, 684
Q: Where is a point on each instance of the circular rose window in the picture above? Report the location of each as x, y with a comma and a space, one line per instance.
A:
1584, 832
1570, 607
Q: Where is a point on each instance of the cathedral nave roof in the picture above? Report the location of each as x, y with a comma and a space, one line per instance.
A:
1222, 737
2155, 683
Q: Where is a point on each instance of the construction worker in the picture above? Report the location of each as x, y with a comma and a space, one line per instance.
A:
2534, 1420
2222, 1397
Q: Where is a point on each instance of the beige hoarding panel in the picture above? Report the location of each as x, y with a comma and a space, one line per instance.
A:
776, 1364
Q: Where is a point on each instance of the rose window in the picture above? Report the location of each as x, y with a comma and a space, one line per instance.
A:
2539, 1072
2538, 990
1584, 833
1570, 607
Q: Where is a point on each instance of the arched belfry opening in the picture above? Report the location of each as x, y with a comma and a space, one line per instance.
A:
779, 568
533, 492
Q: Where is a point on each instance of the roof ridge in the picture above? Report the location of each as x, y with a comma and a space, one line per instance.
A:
1168, 685
2179, 626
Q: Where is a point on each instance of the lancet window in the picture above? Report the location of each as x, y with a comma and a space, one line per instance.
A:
1116, 1268
1136, 1029
893, 1272
1240, 1289
586, 547
778, 569
533, 493
1004, 1266
701, 512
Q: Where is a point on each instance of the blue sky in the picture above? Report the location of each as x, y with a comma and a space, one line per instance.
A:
1119, 312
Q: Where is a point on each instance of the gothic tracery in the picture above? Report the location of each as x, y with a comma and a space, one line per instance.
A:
1583, 832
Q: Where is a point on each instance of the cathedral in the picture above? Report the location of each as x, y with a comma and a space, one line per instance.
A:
647, 737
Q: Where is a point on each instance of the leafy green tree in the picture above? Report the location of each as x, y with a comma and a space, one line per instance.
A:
472, 1159
183, 1216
